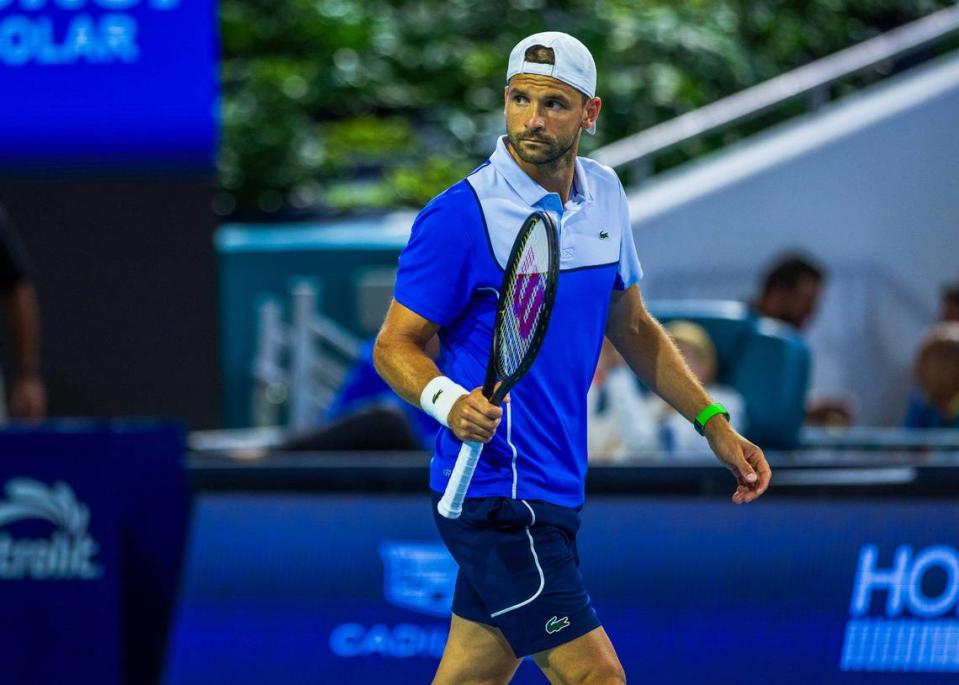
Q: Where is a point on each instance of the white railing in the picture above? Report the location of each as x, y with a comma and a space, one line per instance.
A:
298, 367
813, 79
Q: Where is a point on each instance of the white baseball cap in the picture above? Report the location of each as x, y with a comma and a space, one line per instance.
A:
574, 64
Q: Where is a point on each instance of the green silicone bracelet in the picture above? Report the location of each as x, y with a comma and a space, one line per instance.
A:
706, 414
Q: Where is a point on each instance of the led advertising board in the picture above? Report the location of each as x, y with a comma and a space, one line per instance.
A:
357, 588
107, 83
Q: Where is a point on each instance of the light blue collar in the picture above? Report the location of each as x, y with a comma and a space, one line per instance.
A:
531, 192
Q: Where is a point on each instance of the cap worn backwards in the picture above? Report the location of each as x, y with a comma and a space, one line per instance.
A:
573, 63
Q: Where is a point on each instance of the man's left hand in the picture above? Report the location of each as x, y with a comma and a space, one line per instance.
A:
743, 458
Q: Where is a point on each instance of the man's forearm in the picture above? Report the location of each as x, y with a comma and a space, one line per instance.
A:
405, 366
655, 359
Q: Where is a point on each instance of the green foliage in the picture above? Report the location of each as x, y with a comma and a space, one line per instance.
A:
343, 104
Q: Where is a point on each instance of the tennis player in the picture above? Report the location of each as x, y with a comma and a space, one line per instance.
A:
519, 591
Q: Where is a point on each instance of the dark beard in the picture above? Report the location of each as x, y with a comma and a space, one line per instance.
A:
547, 154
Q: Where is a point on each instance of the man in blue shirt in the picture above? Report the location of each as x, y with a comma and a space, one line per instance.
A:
519, 591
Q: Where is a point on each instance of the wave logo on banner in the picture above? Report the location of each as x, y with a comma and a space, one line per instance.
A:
417, 576
67, 554
917, 627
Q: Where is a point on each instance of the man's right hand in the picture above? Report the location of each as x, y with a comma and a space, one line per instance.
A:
473, 418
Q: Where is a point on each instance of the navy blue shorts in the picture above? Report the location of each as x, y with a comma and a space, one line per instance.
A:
519, 570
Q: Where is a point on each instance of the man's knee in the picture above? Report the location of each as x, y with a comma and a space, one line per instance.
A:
504, 680
616, 676
603, 673
587, 660
498, 674
475, 654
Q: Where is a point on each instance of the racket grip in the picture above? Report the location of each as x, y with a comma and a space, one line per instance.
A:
451, 504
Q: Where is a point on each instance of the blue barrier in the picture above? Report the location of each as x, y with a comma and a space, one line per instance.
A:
92, 523
307, 588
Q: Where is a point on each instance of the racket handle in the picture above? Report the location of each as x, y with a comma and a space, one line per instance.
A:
451, 504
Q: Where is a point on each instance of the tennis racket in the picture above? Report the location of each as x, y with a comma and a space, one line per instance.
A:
525, 303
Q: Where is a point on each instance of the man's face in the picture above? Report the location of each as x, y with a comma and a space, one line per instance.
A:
545, 117
805, 301
795, 306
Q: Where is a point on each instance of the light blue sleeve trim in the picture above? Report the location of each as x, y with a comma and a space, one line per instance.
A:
630, 271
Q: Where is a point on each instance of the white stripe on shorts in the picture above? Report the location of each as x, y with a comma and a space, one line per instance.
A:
542, 578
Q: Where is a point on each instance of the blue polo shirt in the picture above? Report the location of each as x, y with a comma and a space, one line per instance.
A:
450, 273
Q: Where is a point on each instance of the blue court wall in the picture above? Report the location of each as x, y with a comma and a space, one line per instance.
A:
355, 588
93, 517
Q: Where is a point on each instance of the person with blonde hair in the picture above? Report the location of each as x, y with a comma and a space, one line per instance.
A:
937, 375
699, 353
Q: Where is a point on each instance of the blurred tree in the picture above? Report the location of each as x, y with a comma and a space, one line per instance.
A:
344, 104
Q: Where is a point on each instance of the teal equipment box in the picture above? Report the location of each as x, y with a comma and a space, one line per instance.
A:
343, 271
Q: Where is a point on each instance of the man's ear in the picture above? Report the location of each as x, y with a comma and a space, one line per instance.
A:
593, 107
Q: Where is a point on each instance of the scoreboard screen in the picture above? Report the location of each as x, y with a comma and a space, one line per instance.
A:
107, 83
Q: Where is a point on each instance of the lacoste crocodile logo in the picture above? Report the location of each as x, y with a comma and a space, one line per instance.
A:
603, 235
554, 625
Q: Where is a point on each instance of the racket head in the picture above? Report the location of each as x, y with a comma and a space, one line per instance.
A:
526, 301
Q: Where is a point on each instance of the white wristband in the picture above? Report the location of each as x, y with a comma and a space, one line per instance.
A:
438, 397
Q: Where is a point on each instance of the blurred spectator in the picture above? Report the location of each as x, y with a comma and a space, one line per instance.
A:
364, 387
791, 291
936, 403
27, 394
619, 421
624, 421
367, 415
949, 305
676, 434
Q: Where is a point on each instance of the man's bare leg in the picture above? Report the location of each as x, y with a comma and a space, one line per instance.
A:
588, 660
475, 654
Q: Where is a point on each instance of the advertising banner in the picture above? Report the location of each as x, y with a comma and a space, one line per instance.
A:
92, 521
357, 588
104, 83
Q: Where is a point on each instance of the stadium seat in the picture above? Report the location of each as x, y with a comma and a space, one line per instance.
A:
765, 361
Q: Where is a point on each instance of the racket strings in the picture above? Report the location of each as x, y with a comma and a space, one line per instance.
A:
525, 299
